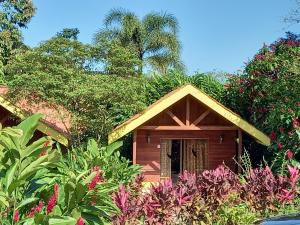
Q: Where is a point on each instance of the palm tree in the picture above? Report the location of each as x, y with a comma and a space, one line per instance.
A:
154, 37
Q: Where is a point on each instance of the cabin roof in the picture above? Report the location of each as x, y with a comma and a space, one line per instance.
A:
56, 121
176, 95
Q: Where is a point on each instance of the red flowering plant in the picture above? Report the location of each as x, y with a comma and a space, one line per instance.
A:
270, 97
203, 198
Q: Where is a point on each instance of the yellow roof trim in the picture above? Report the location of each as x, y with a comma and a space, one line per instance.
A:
173, 97
43, 127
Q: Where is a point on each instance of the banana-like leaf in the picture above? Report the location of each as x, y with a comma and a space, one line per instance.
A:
28, 126
36, 146
13, 132
10, 175
62, 220
26, 202
110, 149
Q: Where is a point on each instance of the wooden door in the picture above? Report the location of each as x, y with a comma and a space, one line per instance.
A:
195, 155
165, 160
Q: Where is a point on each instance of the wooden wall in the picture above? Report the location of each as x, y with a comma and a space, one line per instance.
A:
148, 154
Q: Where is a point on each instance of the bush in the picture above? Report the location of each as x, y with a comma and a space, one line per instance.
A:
268, 95
40, 186
214, 197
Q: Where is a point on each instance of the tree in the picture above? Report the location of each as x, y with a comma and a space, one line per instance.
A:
14, 15
268, 95
69, 33
61, 71
117, 59
154, 37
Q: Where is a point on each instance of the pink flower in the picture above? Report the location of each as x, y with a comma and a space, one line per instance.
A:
36, 209
294, 173
53, 199
290, 133
80, 221
298, 103
273, 136
280, 146
16, 216
289, 154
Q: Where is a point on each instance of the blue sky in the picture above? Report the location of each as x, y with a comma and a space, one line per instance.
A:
216, 35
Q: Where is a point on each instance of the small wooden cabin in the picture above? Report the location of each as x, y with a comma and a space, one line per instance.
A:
186, 130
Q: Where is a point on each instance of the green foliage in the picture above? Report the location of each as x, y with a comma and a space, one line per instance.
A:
14, 14
268, 95
115, 168
69, 33
38, 186
158, 86
60, 71
22, 164
154, 38
119, 60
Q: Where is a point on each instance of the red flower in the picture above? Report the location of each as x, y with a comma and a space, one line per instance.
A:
16, 216
241, 90
296, 123
80, 221
280, 146
97, 178
259, 57
298, 103
273, 136
53, 199
289, 154
46, 144
36, 209
281, 129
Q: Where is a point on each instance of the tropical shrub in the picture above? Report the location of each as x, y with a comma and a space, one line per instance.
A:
214, 197
268, 95
40, 186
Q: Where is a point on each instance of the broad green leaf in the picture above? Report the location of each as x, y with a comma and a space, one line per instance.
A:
26, 202
10, 175
28, 126
36, 146
13, 132
64, 220
110, 149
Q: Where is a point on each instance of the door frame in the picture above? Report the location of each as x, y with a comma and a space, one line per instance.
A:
181, 148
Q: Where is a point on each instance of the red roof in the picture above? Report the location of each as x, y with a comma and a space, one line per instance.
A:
56, 116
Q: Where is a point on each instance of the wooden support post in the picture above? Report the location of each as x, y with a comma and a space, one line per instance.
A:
240, 149
134, 147
187, 111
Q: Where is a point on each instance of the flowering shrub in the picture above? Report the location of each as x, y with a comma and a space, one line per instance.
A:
214, 196
268, 95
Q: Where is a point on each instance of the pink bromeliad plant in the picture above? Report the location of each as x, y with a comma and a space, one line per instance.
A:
200, 198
